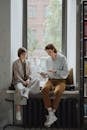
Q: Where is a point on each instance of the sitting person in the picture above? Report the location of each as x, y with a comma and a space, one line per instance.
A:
57, 72
22, 80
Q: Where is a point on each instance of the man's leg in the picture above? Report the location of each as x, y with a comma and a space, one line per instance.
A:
59, 89
45, 91
48, 105
57, 92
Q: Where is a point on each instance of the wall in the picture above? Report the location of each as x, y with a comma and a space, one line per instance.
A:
10, 37
5, 58
10, 41
5, 43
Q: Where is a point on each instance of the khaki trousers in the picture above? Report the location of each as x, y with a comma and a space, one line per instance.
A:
58, 87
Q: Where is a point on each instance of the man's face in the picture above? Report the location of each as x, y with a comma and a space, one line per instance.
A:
50, 52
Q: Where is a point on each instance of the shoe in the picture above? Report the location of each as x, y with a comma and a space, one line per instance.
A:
47, 117
50, 120
18, 116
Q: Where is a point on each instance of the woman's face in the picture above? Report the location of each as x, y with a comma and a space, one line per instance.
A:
23, 56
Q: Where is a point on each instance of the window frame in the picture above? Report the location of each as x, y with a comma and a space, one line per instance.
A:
64, 26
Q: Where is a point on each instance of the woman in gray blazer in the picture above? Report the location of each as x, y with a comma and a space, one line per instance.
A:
22, 80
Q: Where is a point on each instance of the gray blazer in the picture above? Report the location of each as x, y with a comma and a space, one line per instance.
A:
17, 71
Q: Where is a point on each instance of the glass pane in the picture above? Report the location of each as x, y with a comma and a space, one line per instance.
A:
44, 25
32, 11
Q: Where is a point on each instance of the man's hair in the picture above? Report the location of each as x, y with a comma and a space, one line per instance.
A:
52, 47
21, 50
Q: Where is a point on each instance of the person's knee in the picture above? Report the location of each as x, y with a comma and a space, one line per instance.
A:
19, 86
45, 90
59, 92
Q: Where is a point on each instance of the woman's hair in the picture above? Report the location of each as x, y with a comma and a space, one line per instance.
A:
52, 47
21, 50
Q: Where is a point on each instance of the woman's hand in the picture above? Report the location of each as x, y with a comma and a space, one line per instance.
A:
25, 83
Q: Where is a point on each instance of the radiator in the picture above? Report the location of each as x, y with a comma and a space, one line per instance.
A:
67, 113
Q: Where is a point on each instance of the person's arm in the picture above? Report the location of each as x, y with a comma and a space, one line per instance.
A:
49, 70
16, 74
63, 72
29, 70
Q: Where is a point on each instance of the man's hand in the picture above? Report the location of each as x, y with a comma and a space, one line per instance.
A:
52, 71
43, 74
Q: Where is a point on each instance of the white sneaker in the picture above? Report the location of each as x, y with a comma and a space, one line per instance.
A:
50, 120
18, 116
47, 117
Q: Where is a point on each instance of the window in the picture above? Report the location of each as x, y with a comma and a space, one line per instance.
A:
31, 11
46, 11
33, 31
47, 27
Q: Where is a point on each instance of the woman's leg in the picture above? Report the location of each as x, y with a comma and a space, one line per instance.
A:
34, 87
18, 99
